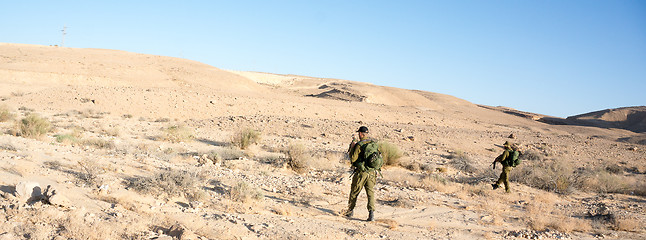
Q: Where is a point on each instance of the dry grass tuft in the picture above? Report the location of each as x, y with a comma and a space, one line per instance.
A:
34, 126
390, 153
283, 210
89, 172
298, 157
390, 223
5, 114
98, 143
167, 183
243, 192
177, 133
550, 175
626, 224
461, 161
245, 138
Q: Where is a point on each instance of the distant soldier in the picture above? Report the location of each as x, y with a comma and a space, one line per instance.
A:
508, 159
363, 175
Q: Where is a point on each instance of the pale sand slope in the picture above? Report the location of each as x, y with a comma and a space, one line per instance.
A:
118, 105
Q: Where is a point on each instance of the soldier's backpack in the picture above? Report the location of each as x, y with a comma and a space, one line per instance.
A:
514, 158
372, 156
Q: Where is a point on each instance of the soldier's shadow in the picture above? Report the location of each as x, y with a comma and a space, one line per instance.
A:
8, 189
325, 210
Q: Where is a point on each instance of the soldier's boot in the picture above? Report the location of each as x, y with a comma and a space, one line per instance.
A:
495, 186
348, 213
371, 216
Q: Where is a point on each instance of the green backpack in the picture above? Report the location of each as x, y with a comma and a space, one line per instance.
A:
372, 155
514, 158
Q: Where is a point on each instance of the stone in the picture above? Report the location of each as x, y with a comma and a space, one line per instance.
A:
54, 197
28, 192
7, 236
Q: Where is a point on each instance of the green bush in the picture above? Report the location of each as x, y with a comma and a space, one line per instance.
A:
390, 153
33, 126
66, 138
245, 138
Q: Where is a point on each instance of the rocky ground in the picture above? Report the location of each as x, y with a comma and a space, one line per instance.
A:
154, 158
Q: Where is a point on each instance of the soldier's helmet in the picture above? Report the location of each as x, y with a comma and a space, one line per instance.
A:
363, 129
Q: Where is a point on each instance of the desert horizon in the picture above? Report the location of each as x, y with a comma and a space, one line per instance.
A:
109, 144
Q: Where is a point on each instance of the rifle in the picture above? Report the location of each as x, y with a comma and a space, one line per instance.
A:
494, 164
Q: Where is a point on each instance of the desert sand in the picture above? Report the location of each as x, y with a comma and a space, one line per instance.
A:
140, 147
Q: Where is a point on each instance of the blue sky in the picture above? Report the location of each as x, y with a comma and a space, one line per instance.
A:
559, 58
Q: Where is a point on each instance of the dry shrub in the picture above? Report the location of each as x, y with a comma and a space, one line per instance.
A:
243, 192
539, 211
98, 143
390, 223
639, 187
390, 153
229, 153
283, 210
538, 215
177, 133
298, 157
461, 161
568, 224
531, 155
33, 126
5, 114
112, 132
89, 172
626, 224
167, 183
432, 182
614, 169
77, 225
550, 175
245, 138
328, 160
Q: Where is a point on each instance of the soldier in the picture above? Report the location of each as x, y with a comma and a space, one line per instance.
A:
362, 175
506, 160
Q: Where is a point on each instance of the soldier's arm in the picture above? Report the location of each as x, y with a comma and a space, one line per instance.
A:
502, 156
354, 153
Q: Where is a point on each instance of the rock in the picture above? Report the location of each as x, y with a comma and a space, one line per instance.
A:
28, 192
512, 136
164, 237
7, 236
54, 197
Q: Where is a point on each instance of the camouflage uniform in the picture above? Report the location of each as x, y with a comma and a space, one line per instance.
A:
362, 177
506, 169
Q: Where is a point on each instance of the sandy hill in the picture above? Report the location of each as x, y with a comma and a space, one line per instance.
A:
630, 118
145, 147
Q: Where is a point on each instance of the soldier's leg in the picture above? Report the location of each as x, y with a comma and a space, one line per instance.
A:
500, 179
357, 184
506, 171
370, 190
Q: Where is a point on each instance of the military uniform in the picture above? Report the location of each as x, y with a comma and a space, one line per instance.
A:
506, 169
362, 177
